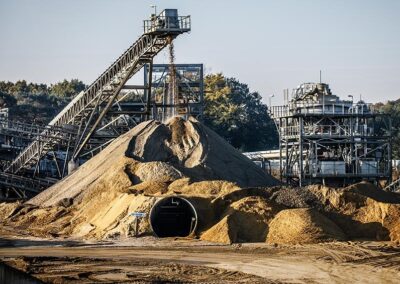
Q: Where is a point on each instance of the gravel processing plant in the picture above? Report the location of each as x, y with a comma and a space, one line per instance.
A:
149, 194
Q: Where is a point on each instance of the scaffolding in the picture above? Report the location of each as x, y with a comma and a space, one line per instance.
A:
327, 140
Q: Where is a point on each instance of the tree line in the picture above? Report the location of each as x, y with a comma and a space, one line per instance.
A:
39, 103
230, 108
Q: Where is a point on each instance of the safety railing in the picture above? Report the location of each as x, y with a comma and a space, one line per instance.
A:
338, 130
31, 131
330, 130
296, 108
167, 24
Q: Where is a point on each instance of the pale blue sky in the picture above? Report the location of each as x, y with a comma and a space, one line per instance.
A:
271, 45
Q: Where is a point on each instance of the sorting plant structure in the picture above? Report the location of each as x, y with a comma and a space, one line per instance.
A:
324, 139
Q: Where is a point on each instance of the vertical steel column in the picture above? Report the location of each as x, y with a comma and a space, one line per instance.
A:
280, 149
287, 151
352, 145
149, 83
390, 169
201, 92
66, 158
301, 151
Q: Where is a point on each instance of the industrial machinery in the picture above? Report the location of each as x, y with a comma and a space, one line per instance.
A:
327, 140
95, 116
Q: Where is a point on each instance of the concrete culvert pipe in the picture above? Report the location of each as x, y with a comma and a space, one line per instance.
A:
173, 217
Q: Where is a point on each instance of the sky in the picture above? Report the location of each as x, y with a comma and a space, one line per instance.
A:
269, 45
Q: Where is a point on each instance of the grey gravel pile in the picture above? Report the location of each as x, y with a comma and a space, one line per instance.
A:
299, 197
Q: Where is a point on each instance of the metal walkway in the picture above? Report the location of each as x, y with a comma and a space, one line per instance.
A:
30, 132
22, 186
87, 110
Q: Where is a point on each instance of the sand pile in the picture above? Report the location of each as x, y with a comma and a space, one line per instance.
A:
102, 213
157, 152
363, 211
245, 220
7, 209
306, 215
227, 213
303, 225
151, 160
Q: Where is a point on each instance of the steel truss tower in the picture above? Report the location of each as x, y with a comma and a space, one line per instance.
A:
190, 90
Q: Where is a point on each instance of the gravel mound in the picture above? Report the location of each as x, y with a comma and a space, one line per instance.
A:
299, 197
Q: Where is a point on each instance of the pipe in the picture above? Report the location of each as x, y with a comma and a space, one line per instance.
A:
173, 216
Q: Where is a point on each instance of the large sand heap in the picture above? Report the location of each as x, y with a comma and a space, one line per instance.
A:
151, 160
154, 152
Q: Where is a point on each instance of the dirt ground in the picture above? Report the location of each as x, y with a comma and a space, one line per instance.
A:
149, 260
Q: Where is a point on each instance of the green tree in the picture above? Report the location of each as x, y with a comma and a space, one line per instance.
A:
67, 89
6, 100
392, 109
20, 87
237, 114
5, 87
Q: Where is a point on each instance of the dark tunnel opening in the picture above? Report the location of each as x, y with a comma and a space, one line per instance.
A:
173, 217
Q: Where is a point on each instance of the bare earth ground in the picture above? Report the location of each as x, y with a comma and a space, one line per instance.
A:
147, 259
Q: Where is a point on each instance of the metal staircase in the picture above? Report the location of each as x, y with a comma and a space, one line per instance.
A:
87, 110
